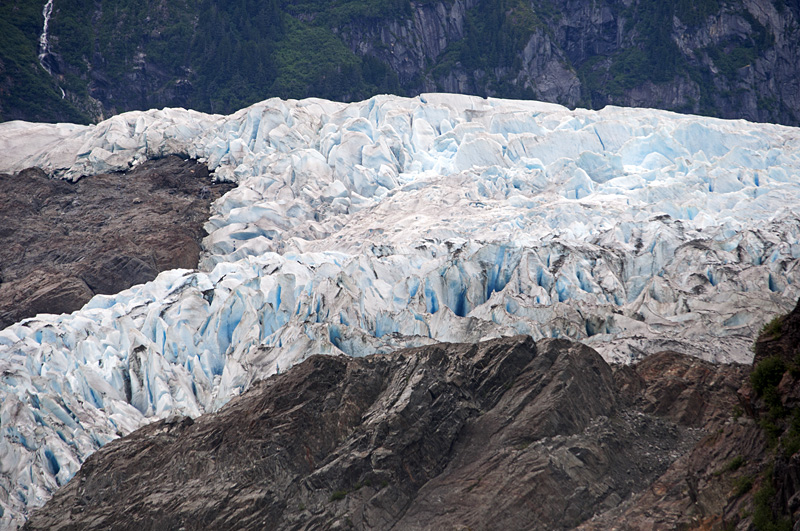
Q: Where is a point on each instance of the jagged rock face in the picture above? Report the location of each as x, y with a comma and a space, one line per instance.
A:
414, 41
500, 434
411, 45
682, 389
62, 243
745, 473
698, 491
580, 53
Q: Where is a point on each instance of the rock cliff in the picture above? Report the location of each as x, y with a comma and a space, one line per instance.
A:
731, 59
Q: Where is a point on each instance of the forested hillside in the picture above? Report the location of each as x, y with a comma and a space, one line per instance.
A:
734, 59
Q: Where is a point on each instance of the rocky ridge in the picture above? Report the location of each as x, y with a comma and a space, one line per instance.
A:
744, 473
500, 434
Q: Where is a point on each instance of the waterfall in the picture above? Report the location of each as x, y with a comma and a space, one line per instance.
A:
44, 46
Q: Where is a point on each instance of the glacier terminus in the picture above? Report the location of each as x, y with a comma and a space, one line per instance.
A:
366, 227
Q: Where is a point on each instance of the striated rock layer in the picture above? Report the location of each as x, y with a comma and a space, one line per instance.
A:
501, 434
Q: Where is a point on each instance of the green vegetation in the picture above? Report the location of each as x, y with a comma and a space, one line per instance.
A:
773, 329
765, 379
742, 485
629, 69
735, 464
781, 424
311, 60
337, 13
764, 519
338, 495
695, 12
218, 56
767, 375
653, 55
728, 61
211, 55
791, 438
26, 89
495, 34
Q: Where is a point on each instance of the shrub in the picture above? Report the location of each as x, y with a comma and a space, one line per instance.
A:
743, 485
763, 517
767, 374
791, 441
773, 329
735, 464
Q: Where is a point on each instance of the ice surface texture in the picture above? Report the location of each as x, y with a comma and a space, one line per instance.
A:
360, 228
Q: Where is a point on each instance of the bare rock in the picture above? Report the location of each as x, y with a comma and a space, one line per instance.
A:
688, 390
61, 243
503, 434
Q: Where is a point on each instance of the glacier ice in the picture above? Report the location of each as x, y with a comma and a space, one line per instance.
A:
365, 227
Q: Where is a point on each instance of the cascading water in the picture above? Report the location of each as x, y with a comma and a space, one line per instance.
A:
44, 45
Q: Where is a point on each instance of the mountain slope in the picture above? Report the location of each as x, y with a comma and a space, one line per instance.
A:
733, 59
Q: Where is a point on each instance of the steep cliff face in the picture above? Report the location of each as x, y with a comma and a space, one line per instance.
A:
729, 59
449, 46
733, 59
408, 45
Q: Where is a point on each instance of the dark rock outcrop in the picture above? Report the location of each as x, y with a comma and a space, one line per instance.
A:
700, 489
776, 404
745, 472
61, 243
504, 434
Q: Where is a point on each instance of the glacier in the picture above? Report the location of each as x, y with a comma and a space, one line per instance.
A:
365, 227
